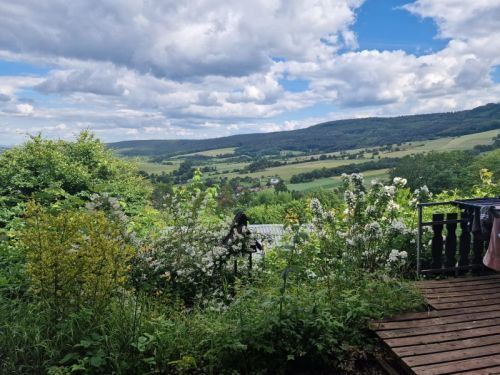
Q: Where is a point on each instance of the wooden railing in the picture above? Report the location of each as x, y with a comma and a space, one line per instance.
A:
458, 251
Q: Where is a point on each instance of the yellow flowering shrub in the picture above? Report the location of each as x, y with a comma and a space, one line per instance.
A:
74, 258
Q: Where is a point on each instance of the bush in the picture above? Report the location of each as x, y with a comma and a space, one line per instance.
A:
55, 171
189, 259
75, 259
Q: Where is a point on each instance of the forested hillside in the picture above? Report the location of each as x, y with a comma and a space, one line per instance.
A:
333, 135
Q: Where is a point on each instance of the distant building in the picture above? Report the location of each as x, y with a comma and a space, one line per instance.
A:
274, 181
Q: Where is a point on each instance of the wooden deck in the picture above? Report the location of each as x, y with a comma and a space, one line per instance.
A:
460, 334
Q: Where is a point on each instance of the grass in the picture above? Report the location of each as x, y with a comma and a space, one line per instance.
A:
287, 171
225, 169
157, 168
212, 153
333, 182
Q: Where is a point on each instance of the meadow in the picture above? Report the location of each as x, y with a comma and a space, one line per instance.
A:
299, 162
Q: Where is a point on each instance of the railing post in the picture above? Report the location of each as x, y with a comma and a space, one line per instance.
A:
464, 240
437, 242
450, 247
419, 238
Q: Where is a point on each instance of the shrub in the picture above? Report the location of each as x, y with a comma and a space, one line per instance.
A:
75, 259
189, 260
52, 171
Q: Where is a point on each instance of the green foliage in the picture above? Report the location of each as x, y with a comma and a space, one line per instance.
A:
490, 161
188, 260
269, 206
51, 171
75, 259
437, 170
93, 291
441, 171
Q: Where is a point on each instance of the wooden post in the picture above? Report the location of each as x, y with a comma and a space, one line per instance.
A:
437, 242
477, 252
450, 248
464, 241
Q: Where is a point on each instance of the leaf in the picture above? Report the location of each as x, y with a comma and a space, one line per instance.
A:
97, 361
69, 357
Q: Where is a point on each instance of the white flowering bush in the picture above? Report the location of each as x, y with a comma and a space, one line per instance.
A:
374, 230
189, 259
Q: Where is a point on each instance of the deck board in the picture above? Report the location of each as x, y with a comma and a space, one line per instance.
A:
460, 333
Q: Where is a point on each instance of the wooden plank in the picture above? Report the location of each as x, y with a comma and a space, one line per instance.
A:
462, 334
455, 355
462, 282
470, 288
486, 371
457, 366
435, 321
474, 297
407, 351
452, 327
456, 280
440, 337
458, 293
438, 314
459, 285
455, 305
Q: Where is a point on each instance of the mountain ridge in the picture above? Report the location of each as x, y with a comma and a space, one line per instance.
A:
331, 136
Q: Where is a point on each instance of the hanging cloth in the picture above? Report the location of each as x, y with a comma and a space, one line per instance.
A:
492, 257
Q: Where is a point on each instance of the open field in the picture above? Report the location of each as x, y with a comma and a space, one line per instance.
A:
465, 142
226, 167
333, 182
158, 168
287, 171
213, 153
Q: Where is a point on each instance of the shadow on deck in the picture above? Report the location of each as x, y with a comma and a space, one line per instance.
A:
460, 334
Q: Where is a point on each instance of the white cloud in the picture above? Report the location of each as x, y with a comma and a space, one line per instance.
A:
178, 39
169, 69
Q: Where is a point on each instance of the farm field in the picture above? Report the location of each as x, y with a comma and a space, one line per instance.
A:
287, 171
465, 142
333, 182
158, 168
231, 167
213, 153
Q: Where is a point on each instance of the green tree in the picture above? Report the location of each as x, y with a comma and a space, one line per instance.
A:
51, 171
437, 170
280, 187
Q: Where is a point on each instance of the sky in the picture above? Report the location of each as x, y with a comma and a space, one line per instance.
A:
169, 69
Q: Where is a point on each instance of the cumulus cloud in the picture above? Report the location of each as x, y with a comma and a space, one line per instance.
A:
96, 81
178, 39
170, 69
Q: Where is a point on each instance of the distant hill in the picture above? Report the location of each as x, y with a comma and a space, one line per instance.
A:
333, 135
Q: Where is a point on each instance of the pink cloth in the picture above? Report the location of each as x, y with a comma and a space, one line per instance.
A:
492, 257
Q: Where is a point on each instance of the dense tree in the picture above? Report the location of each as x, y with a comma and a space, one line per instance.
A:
60, 171
437, 170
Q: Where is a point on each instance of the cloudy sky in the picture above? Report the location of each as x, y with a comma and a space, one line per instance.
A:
157, 69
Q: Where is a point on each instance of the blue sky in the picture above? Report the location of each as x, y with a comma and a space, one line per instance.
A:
386, 25
166, 69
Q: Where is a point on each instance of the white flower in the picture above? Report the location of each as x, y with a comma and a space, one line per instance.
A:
399, 182
392, 206
373, 230
390, 190
397, 226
